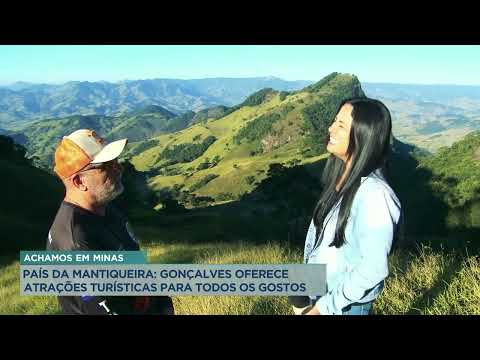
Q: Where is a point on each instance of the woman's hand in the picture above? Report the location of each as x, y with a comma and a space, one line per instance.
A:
301, 311
313, 311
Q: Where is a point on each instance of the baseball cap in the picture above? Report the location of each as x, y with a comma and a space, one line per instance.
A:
84, 147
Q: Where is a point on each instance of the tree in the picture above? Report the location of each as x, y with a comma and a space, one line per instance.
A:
9, 150
283, 95
187, 152
202, 201
170, 205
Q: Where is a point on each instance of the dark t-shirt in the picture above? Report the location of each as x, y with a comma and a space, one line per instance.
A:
76, 229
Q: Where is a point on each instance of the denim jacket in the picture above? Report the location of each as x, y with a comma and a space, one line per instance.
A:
356, 271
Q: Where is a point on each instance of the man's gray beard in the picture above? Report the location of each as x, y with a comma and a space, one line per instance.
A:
109, 194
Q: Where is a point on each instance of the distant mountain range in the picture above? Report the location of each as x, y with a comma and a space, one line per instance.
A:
22, 102
266, 120
41, 137
444, 94
429, 116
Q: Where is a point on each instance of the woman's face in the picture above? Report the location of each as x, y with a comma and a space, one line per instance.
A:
340, 133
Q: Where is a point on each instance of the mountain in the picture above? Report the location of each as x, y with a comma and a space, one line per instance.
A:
456, 174
22, 103
29, 201
429, 116
215, 112
440, 193
226, 157
41, 137
445, 94
19, 85
154, 109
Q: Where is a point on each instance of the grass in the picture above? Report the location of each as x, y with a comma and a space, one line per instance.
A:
10, 300
222, 253
425, 282
431, 283
213, 253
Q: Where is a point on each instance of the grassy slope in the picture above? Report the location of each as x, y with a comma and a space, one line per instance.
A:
30, 200
461, 164
232, 179
426, 282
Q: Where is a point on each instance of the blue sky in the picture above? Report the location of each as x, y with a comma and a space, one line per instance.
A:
395, 64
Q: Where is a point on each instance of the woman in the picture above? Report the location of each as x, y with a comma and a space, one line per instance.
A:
355, 220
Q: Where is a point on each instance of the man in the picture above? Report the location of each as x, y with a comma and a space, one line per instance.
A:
86, 220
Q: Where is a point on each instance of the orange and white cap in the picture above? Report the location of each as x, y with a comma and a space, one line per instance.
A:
83, 147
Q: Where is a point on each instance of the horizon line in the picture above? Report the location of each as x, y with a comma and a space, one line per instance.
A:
225, 77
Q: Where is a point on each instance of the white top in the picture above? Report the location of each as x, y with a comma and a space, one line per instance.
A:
356, 270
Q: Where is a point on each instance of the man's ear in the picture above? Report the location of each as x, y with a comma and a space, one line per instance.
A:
77, 181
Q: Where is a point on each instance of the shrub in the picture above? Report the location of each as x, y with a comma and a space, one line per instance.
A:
250, 180
188, 152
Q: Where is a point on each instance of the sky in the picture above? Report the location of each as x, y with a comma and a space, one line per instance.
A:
419, 64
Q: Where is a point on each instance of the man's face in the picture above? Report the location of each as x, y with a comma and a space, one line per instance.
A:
103, 181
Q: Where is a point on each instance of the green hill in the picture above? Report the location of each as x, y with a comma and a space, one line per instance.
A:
41, 138
30, 198
440, 193
268, 127
456, 171
455, 180
215, 112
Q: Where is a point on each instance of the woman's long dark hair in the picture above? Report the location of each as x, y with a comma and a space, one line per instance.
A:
368, 148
